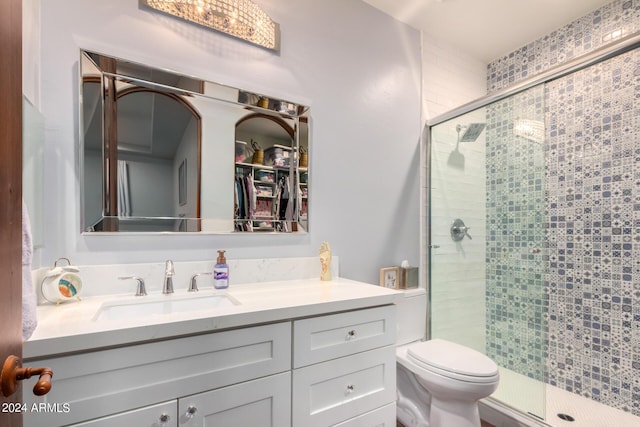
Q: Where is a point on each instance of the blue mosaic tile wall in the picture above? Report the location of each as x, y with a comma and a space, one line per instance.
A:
516, 234
580, 37
593, 180
589, 263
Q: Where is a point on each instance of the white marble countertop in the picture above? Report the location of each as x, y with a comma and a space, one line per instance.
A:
71, 327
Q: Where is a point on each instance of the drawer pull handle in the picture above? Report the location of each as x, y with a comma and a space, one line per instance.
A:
350, 389
164, 418
351, 334
191, 411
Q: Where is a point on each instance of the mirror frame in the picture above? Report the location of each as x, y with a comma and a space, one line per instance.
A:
182, 87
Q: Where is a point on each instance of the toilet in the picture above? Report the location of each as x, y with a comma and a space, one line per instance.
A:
439, 383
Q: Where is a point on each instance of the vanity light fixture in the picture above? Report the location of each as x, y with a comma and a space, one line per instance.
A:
238, 18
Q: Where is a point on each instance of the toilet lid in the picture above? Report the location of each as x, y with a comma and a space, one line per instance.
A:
451, 357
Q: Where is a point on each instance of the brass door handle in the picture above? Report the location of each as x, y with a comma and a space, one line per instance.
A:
12, 372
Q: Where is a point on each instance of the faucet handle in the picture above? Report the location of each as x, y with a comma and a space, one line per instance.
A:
168, 268
193, 285
168, 278
140, 290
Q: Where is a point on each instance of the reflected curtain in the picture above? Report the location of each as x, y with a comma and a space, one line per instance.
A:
124, 197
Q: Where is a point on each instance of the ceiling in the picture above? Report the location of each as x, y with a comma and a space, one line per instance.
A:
487, 29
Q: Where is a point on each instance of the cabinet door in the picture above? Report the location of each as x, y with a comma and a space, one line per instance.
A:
335, 391
101, 383
265, 402
160, 415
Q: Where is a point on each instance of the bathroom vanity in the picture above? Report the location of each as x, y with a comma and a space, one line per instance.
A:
286, 353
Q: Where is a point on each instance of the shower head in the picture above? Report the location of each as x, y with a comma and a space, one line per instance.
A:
471, 132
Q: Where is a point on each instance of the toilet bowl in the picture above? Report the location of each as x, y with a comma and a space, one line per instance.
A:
455, 377
439, 382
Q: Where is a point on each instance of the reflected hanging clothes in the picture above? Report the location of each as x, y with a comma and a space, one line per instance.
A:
283, 203
239, 204
250, 199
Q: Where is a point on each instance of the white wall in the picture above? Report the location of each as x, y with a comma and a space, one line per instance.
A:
216, 176
451, 79
187, 151
31, 51
357, 68
150, 185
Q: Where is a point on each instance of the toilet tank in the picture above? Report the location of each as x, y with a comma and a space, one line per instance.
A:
411, 316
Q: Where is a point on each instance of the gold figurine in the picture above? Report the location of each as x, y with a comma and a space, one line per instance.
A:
325, 261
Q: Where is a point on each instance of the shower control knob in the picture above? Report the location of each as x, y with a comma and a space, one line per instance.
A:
459, 230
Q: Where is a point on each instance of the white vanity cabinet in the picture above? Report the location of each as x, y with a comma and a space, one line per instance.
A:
131, 380
345, 369
328, 369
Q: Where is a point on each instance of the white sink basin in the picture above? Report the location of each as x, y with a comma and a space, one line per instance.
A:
161, 305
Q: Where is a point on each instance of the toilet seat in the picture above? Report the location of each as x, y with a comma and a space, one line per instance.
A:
453, 361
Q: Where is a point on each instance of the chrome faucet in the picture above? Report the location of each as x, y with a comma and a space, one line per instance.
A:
193, 284
140, 289
167, 288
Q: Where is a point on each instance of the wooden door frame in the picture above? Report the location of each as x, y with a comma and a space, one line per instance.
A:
11, 192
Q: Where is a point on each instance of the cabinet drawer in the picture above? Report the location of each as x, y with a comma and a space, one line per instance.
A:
265, 402
331, 392
381, 417
110, 381
162, 414
323, 338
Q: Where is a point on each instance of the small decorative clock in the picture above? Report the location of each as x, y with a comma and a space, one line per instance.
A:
390, 277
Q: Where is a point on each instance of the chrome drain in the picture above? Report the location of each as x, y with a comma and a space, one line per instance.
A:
566, 417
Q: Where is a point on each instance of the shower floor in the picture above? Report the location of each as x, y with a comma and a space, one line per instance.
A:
525, 394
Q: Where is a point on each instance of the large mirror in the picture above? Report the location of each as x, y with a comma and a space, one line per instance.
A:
163, 152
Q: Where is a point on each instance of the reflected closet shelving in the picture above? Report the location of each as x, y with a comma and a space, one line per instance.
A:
264, 180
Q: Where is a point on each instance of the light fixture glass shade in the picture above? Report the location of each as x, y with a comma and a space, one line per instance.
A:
533, 130
238, 18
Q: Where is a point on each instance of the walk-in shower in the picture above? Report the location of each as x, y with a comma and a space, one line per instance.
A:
549, 286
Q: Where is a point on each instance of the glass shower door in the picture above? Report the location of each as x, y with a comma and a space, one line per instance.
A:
488, 240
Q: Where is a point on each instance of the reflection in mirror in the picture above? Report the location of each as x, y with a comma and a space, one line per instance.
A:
157, 150
263, 182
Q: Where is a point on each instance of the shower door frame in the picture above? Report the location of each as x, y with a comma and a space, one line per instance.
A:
608, 51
